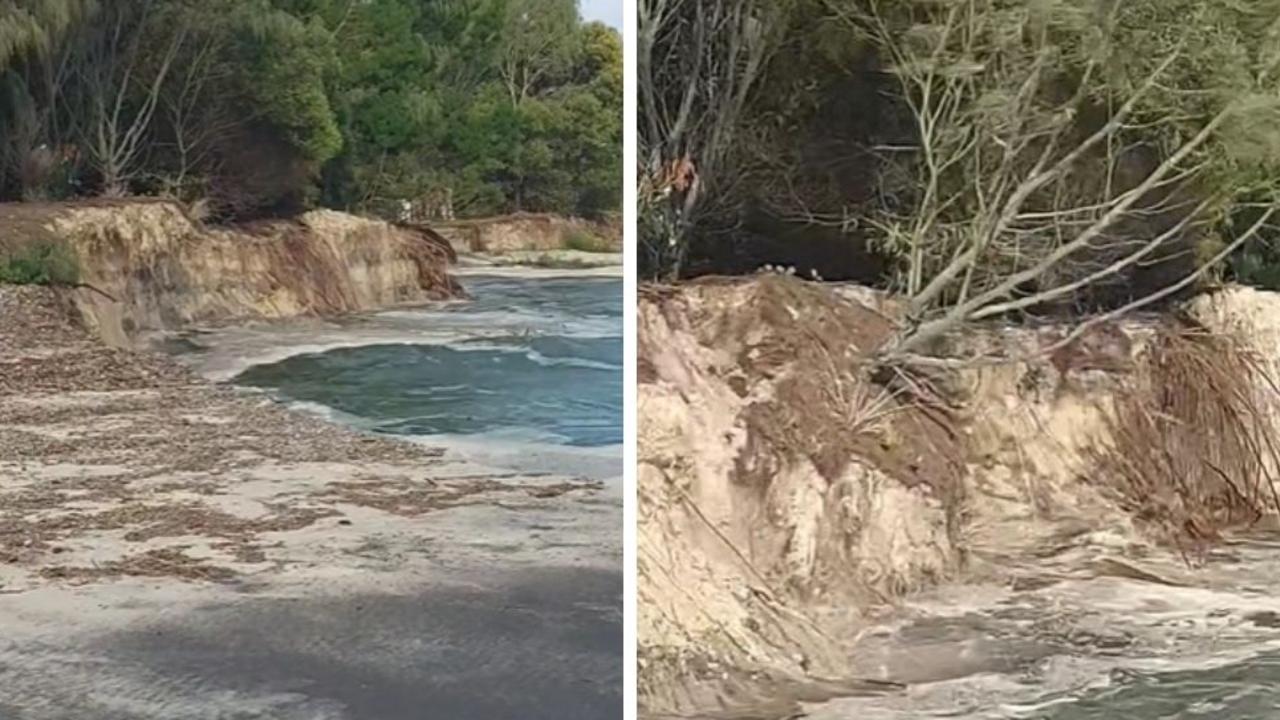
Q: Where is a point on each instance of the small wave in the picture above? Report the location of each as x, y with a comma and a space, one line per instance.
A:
543, 360
525, 272
232, 353
529, 450
549, 351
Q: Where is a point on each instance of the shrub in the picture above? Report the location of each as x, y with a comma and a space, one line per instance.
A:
583, 241
40, 264
1258, 266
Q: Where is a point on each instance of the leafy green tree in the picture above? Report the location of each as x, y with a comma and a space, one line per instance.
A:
287, 64
265, 106
1060, 147
35, 25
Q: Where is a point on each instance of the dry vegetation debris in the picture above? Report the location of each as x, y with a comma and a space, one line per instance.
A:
121, 463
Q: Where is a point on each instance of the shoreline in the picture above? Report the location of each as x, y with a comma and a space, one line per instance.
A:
220, 355
134, 493
223, 352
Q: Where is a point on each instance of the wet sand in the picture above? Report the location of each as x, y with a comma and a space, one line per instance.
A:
524, 646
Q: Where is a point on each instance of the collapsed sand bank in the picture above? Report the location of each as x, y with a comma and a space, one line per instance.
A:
148, 267
522, 233
787, 500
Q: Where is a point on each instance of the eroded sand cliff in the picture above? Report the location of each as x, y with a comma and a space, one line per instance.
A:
790, 492
528, 232
148, 267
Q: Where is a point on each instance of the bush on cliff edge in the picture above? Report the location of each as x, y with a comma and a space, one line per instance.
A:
40, 264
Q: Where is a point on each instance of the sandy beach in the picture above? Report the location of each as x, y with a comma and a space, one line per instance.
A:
170, 547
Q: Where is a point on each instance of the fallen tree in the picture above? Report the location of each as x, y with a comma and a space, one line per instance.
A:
1060, 149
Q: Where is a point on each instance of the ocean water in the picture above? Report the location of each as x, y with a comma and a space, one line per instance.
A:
1086, 644
557, 389
531, 363
1245, 689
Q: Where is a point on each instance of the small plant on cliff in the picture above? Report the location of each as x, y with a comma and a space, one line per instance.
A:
583, 241
40, 264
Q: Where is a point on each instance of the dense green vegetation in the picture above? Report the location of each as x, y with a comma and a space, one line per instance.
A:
980, 156
422, 107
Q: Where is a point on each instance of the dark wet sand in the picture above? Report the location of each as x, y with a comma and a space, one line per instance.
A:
544, 644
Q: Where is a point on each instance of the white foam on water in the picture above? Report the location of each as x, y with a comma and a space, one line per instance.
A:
1056, 682
522, 450
502, 344
516, 320
231, 356
526, 450
225, 353
459, 325
534, 273
997, 654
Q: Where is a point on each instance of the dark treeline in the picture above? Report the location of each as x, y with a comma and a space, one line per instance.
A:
256, 107
979, 156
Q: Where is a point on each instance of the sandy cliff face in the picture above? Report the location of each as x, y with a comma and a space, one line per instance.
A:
152, 269
525, 232
772, 483
789, 494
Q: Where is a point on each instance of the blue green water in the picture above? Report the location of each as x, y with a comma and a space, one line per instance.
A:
528, 358
1245, 689
1008, 679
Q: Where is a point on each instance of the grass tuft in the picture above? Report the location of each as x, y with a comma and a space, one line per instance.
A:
44, 263
583, 241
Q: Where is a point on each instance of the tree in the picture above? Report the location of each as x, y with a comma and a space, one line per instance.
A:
267, 106
288, 64
467, 100
1060, 145
698, 65
197, 118
33, 73
121, 90
537, 42
593, 133
35, 25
